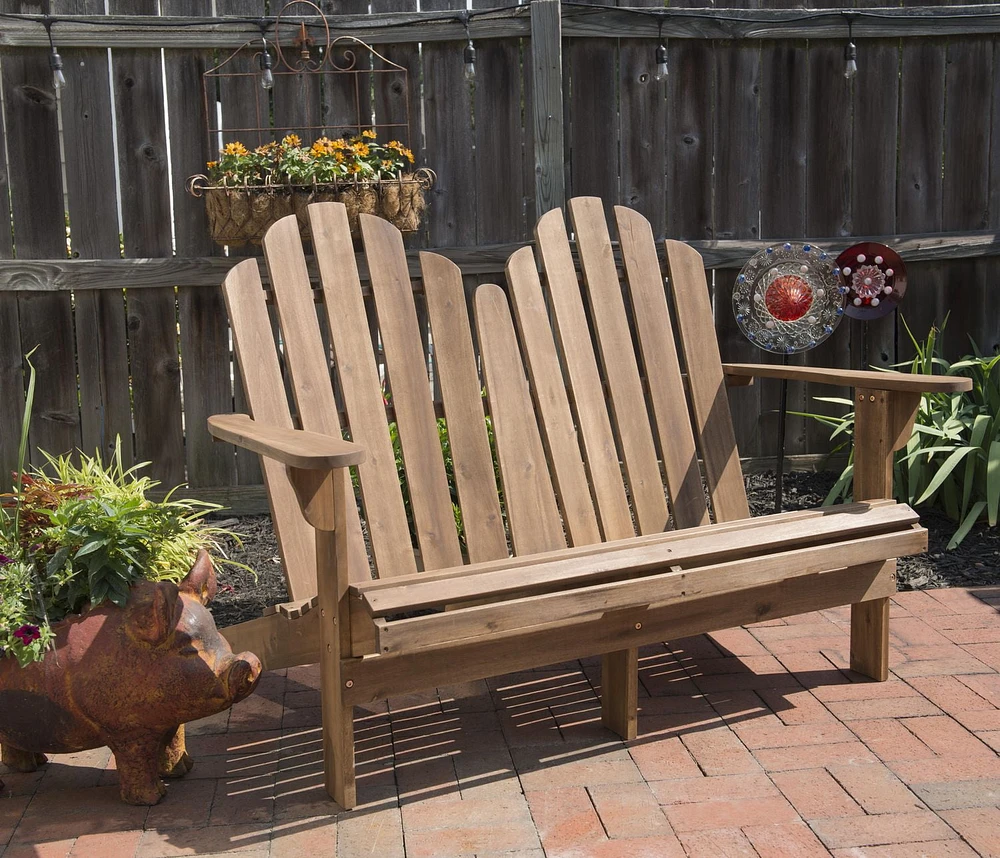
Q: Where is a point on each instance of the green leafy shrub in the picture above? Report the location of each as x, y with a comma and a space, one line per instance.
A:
952, 460
84, 533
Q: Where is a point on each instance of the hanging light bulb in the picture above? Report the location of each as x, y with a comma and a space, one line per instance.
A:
469, 56
850, 49
850, 60
55, 61
661, 62
266, 75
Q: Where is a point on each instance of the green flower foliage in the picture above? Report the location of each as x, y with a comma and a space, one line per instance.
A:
83, 532
952, 460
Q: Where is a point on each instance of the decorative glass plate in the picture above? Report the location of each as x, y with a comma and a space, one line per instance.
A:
875, 278
789, 298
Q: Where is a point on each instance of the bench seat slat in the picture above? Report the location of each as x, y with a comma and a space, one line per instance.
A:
572, 605
378, 677
630, 558
516, 562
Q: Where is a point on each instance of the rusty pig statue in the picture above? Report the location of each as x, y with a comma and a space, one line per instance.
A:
128, 678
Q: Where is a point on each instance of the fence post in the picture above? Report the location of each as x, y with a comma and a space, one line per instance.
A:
547, 104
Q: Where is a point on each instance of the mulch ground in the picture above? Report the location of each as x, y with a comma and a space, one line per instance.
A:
243, 595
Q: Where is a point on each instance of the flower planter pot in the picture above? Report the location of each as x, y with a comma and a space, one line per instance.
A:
129, 678
241, 214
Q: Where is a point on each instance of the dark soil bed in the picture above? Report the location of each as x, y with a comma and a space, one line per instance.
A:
243, 596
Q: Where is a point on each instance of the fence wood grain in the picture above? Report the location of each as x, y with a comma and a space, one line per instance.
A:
39, 232
146, 229
755, 137
11, 368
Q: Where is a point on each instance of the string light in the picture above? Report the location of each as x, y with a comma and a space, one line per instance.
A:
266, 75
469, 54
55, 61
661, 57
850, 49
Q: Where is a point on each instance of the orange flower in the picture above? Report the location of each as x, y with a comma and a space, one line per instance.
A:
212, 165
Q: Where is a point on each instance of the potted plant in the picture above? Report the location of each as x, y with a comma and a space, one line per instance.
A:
104, 634
246, 191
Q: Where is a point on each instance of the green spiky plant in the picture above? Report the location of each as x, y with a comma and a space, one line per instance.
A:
952, 459
79, 533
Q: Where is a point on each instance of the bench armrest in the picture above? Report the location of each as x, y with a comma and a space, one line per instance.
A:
293, 447
898, 381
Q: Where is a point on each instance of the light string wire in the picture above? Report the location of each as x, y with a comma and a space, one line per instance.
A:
587, 8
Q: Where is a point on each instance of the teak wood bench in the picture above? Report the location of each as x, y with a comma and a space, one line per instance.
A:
601, 538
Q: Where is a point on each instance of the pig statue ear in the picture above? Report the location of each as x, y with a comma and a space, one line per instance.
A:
152, 613
200, 581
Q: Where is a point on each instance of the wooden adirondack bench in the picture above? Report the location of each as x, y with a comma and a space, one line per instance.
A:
601, 540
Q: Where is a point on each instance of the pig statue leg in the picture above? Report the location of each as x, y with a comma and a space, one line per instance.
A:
137, 757
175, 761
21, 761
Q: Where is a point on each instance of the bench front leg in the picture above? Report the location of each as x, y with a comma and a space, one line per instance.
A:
620, 692
883, 421
324, 496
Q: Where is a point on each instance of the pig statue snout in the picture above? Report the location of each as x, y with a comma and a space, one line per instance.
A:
243, 676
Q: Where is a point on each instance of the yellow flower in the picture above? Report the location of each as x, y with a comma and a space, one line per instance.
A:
354, 168
266, 149
407, 153
338, 157
371, 135
394, 144
387, 164
292, 140
339, 143
235, 149
361, 149
212, 165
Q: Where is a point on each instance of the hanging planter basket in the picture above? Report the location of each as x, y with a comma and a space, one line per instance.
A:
241, 214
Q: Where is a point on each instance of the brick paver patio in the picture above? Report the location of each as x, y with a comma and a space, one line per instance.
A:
753, 742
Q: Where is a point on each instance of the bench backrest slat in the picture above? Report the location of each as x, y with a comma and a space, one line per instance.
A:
709, 402
584, 387
561, 438
583, 378
667, 395
621, 372
305, 359
265, 392
433, 513
361, 389
531, 506
461, 395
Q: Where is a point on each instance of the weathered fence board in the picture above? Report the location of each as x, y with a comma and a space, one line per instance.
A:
101, 337
146, 231
754, 137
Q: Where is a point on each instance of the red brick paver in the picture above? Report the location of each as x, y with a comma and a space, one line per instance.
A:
753, 743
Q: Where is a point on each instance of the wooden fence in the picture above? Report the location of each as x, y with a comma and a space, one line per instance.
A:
755, 135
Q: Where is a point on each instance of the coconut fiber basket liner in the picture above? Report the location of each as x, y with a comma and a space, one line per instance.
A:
241, 214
